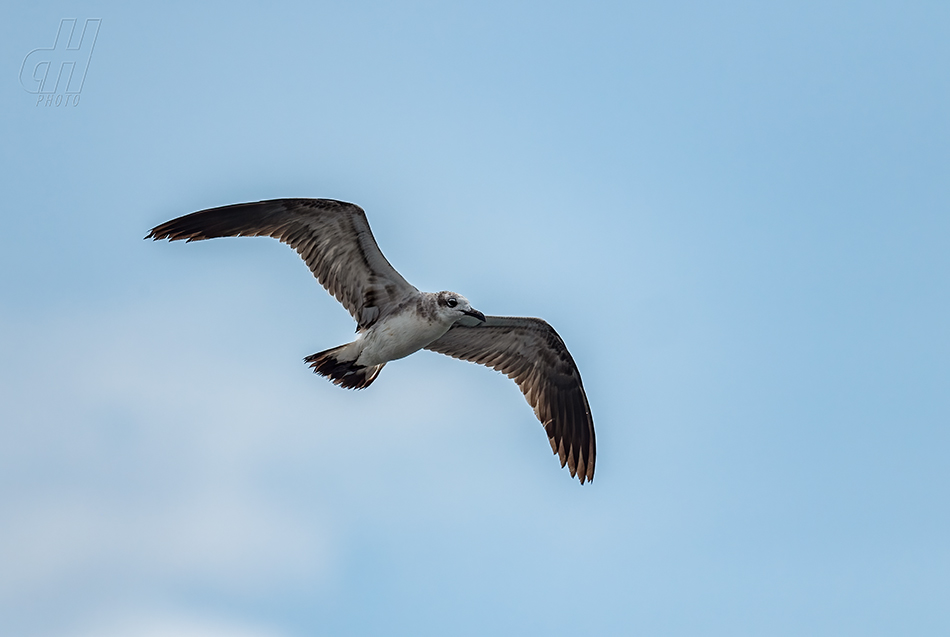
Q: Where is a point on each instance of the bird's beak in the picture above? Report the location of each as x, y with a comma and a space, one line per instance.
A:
476, 314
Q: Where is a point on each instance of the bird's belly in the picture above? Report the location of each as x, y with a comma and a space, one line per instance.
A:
398, 337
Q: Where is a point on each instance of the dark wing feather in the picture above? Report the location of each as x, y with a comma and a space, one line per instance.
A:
531, 353
332, 237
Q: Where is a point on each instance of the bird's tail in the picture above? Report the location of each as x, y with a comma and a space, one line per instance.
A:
332, 363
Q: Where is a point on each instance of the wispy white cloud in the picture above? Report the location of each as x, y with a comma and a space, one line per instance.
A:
133, 463
156, 623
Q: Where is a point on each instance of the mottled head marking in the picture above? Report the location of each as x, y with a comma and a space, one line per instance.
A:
449, 299
453, 306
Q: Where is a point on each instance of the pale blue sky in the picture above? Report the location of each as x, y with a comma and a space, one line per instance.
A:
735, 214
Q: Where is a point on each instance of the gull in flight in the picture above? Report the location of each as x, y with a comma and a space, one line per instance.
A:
394, 319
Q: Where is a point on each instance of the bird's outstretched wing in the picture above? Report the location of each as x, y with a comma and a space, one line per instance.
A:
531, 353
332, 237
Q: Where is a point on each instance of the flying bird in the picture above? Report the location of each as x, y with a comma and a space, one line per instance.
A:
394, 319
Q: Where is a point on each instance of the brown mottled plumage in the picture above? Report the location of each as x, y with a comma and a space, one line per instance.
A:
531, 353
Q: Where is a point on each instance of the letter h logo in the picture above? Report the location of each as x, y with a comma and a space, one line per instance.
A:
63, 67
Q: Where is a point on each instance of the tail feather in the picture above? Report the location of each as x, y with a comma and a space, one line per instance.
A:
347, 374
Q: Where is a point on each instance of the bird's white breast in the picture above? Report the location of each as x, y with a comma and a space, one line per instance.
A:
398, 336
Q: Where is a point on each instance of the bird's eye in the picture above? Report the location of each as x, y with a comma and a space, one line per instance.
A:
452, 302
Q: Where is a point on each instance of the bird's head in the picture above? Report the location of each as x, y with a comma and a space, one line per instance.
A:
456, 306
